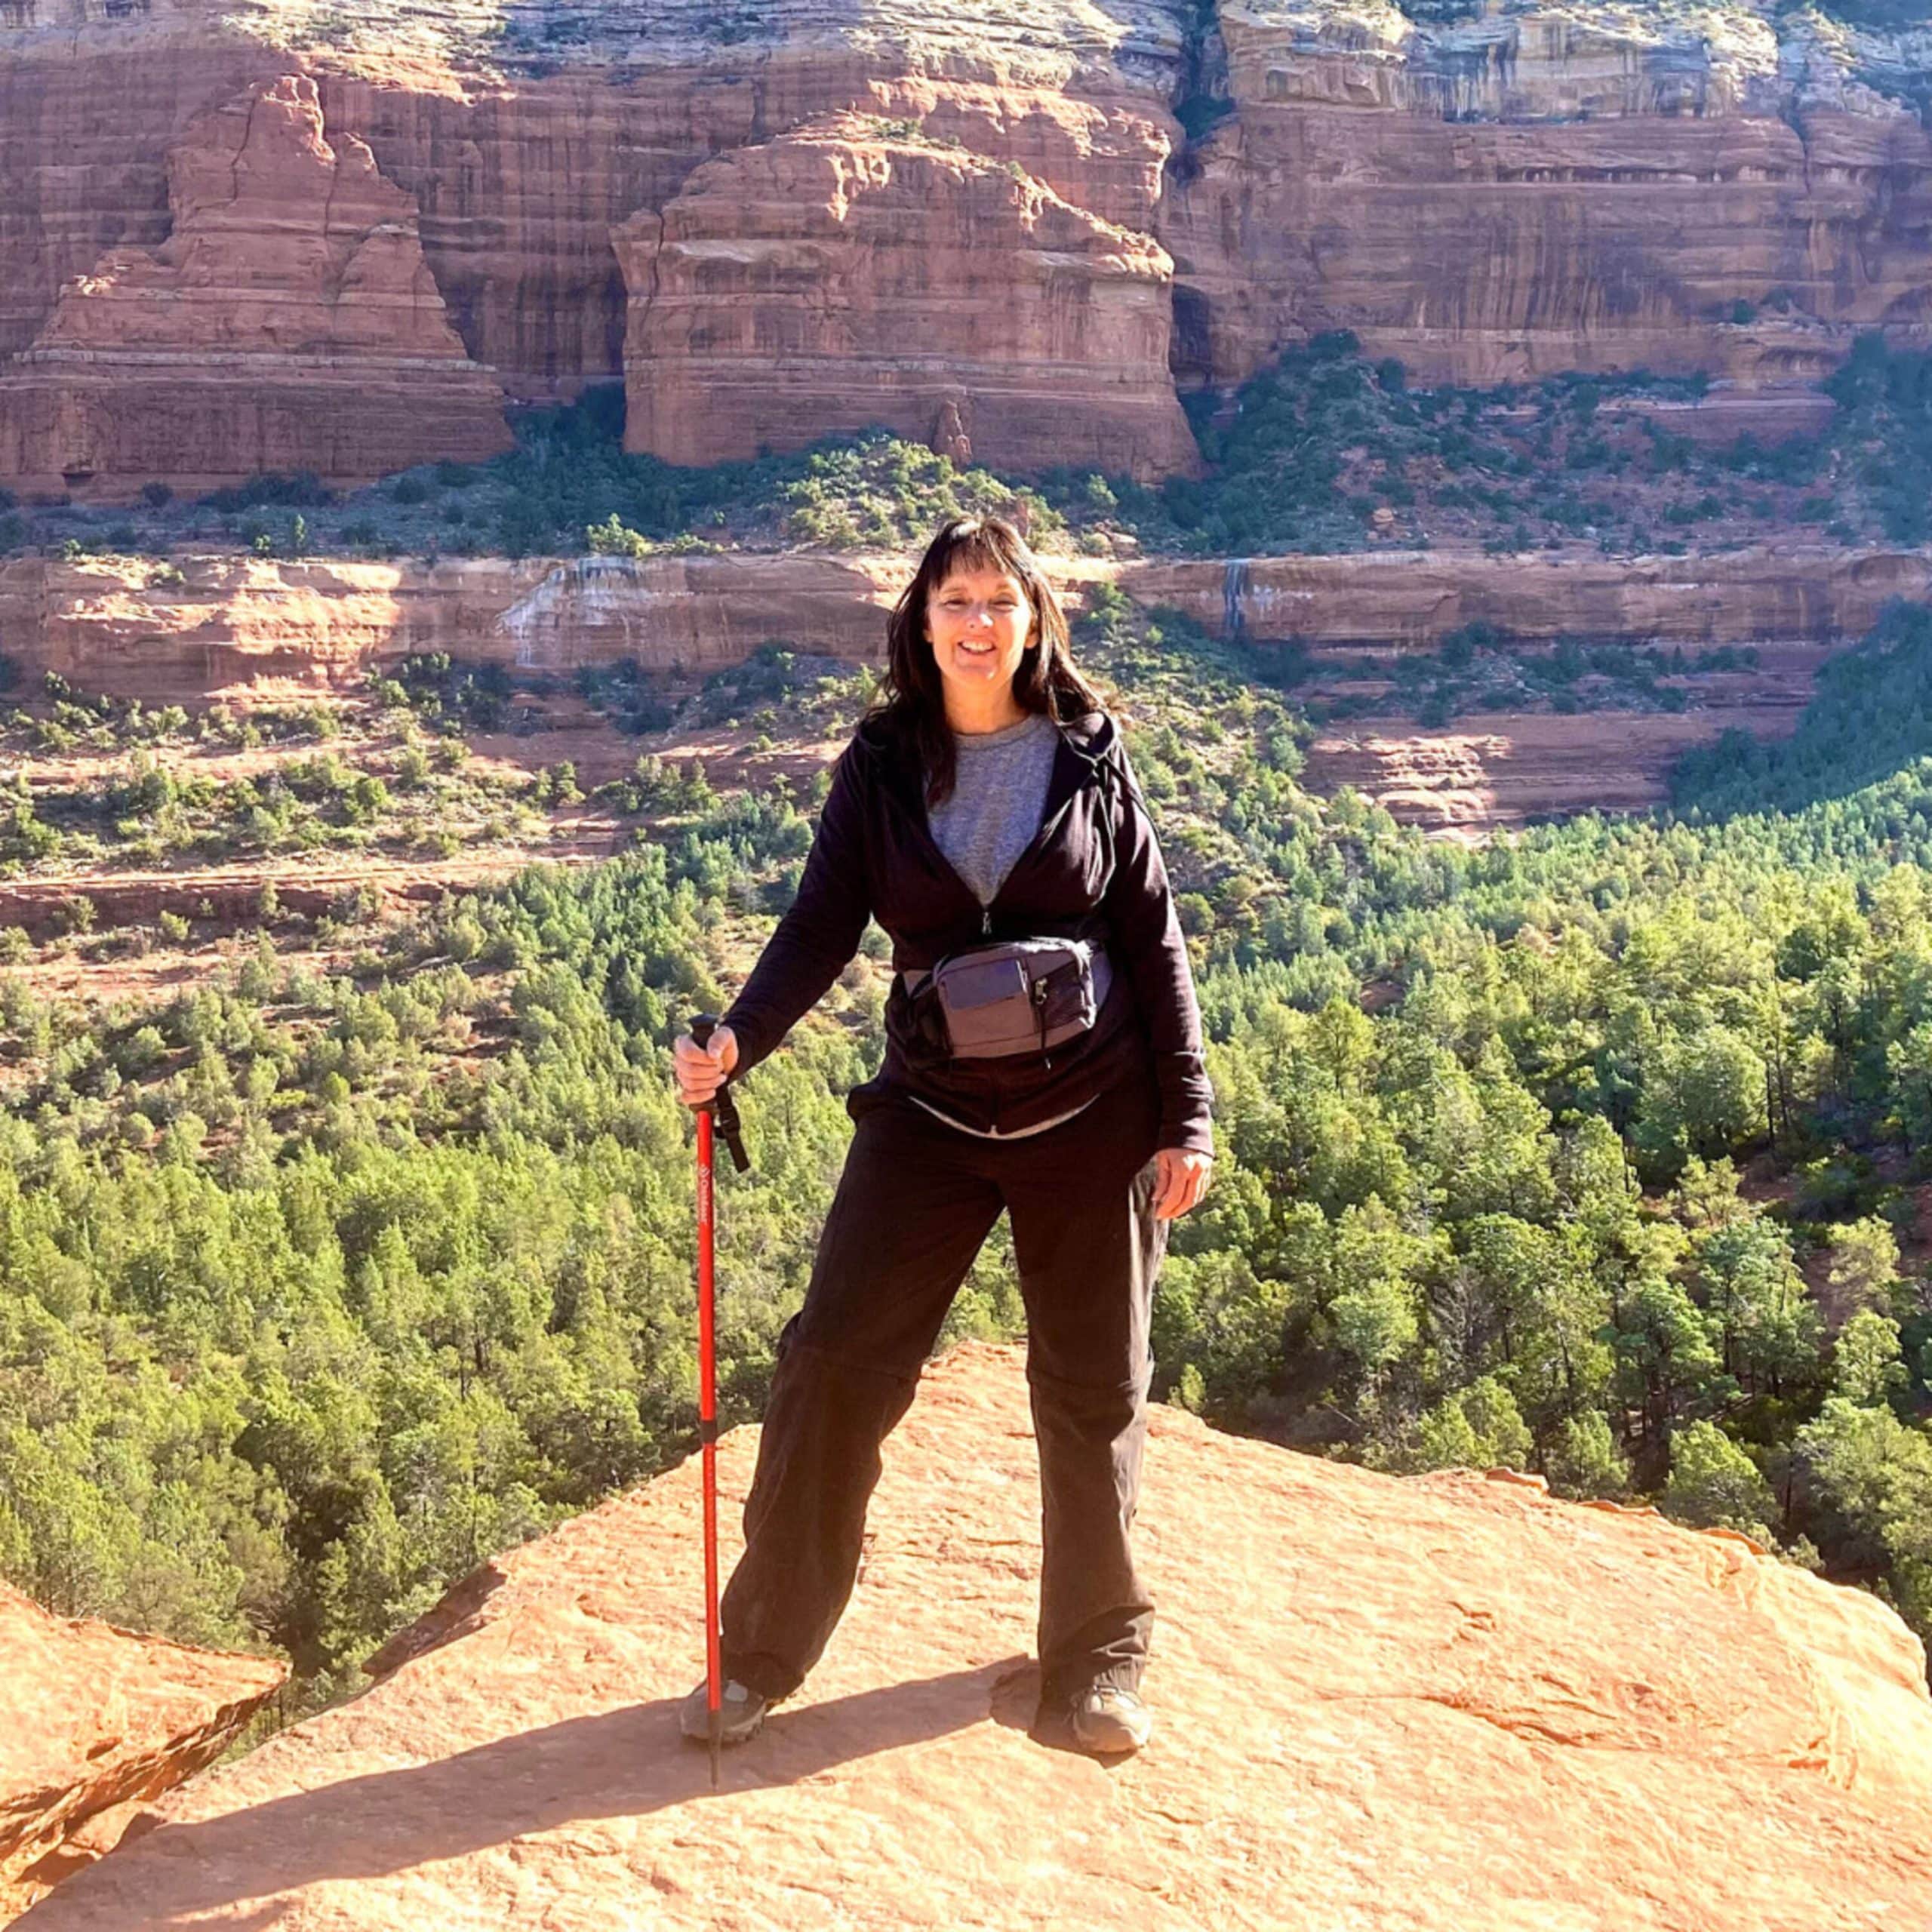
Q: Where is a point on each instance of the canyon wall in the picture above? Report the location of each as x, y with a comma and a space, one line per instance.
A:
1792, 604
1503, 769
524, 179
526, 145
288, 322
232, 622
240, 627
1380, 599
984, 225
841, 275
1571, 187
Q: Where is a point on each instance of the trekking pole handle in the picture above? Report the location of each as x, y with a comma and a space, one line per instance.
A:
722, 1104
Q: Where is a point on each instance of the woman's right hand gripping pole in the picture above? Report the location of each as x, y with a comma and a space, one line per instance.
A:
703, 1070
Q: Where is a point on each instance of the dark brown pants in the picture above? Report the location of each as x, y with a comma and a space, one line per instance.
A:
916, 1201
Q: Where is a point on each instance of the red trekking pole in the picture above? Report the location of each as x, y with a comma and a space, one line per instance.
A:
721, 1104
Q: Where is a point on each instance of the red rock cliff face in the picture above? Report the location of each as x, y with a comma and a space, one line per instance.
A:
231, 620
88, 119
521, 167
835, 278
522, 184
1412, 599
1577, 187
288, 322
1569, 185
234, 621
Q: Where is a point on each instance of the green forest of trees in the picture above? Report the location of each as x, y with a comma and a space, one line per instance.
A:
1595, 1152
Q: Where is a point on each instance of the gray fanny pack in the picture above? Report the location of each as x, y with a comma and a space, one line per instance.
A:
1012, 996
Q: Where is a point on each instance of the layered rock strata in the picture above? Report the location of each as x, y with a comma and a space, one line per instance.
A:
1565, 185
1364, 1721
524, 142
1559, 186
521, 188
840, 276
1497, 769
232, 620
86, 121
94, 1720
1414, 597
288, 322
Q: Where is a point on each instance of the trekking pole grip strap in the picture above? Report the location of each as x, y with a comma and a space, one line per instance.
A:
722, 1104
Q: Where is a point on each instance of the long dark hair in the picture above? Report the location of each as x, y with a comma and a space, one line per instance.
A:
911, 696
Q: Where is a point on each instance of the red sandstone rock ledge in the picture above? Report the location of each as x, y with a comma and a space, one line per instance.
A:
1437, 1703
234, 619
92, 1719
1492, 770
1780, 591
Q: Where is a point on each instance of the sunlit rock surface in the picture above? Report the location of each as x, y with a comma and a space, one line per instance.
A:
1439, 1702
1087, 206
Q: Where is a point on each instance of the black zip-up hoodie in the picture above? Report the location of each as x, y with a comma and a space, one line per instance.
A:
1092, 870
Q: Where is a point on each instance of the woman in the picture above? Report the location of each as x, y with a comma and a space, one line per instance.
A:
987, 799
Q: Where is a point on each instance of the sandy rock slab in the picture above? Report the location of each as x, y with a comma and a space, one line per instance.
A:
93, 1719
1448, 1702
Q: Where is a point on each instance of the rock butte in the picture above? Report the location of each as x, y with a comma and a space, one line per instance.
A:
1448, 1701
93, 1721
986, 225
832, 275
288, 322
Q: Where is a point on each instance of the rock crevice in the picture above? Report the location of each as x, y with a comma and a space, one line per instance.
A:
95, 1721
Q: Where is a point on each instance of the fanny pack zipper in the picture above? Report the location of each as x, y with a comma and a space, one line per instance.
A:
1040, 991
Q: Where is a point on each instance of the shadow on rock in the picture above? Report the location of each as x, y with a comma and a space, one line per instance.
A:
619, 1763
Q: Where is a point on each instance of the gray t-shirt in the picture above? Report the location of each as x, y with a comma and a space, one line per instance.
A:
992, 813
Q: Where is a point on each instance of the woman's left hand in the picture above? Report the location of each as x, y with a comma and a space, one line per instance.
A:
1182, 1181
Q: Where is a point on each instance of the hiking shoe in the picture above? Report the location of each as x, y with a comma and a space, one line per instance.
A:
1108, 1721
740, 1713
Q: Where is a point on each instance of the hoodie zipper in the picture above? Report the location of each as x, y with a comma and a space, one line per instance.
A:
1044, 837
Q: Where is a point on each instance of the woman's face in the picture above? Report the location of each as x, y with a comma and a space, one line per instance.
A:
978, 622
